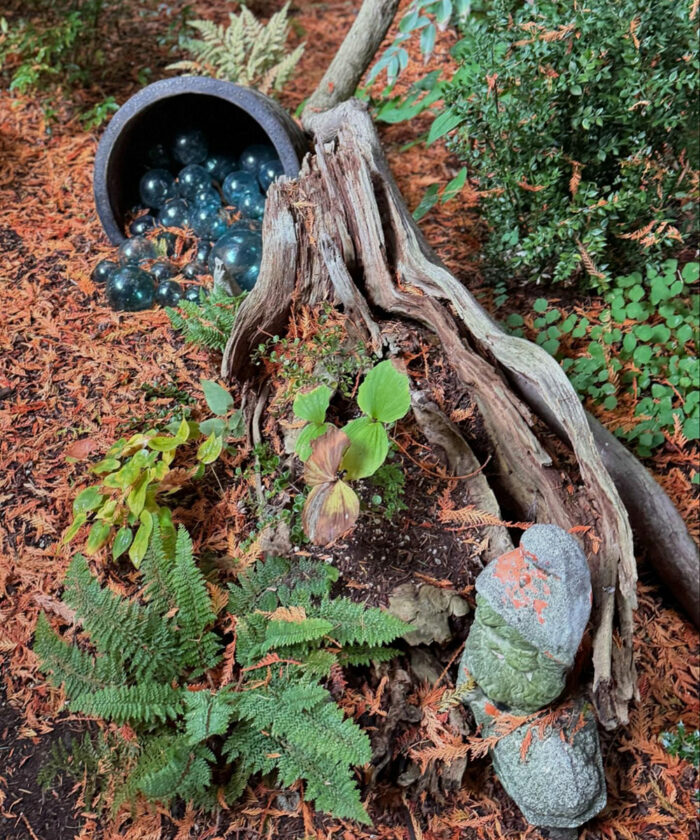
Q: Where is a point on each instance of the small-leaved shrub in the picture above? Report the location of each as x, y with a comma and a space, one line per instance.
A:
137, 472
210, 711
579, 122
643, 343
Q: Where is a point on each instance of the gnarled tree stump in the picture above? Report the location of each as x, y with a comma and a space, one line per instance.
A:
340, 232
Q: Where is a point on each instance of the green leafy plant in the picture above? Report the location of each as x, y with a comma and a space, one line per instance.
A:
643, 342
683, 743
579, 124
357, 451
390, 482
261, 708
246, 51
207, 323
138, 471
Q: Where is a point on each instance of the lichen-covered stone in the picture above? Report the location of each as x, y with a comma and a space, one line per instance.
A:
508, 668
543, 590
428, 608
556, 778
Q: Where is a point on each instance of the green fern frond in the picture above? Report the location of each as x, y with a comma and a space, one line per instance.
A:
207, 713
354, 623
209, 322
68, 665
246, 51
280, 634
364, 654
147, 702
118, 625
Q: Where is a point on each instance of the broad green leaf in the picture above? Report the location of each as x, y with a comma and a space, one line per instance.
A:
74, 527
368, 448
310, 432
236, 425
215, 425
137, 498
384, 394
429, 200
107, 511
218, 398
137, 550
88, 499
122, 541
210, 450
97, 537
164, 443
454, 187
313, 405
105, 465
127, 475
443, 124
691, 272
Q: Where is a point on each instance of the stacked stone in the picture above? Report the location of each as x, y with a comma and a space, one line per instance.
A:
533, 605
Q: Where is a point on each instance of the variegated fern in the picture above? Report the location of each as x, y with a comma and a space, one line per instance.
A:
246, 51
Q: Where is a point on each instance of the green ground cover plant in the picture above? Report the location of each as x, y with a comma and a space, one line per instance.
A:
207, 322
262, 707
643, 342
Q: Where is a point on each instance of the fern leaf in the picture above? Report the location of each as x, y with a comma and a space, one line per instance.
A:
357, 624
207, 714
279, 634
147, 702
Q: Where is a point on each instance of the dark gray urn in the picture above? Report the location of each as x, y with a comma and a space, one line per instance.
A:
232, 117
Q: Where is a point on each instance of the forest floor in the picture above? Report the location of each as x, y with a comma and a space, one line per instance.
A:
75, 376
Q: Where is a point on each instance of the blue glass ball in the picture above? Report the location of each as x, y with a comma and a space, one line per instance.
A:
103, 271
158, 157
168, 293
163, 270
252, 205
130, 289
237, 184
208, 221
218, 166
207, 195
254, 155
156, 187
193, 270
249, 277
268, 171
193, 291
190, 147
133, 250
144, 223
191, 179
175, 213
201, 255
236, 251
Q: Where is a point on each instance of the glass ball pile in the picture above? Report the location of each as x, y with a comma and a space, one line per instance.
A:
216, 198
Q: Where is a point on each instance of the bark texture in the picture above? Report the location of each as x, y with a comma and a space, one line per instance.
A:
354, 56
340, 232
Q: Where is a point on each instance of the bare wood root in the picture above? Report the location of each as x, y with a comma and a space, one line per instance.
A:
341, 233
442, 432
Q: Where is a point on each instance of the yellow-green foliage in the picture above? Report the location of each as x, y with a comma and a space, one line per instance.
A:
246, 51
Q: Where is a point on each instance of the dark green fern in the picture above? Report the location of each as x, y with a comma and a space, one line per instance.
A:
154, 664
209, 322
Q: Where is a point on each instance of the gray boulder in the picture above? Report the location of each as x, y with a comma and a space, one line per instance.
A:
556, 778
543, 590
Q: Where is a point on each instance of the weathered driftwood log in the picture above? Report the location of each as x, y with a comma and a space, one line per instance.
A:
341, 233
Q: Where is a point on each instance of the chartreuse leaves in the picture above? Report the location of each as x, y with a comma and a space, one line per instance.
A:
384, 394
368, 448
138, 471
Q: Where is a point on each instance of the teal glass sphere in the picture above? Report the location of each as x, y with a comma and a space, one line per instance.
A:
141, 225
219, 166
156, 187
254, 155
191, 179
269, 171
237, 184
190, 147
175, 213
130, 289
168, 293
136, 249
235, 252
103, 271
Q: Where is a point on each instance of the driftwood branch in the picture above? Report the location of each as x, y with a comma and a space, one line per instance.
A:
353, 58
355, 244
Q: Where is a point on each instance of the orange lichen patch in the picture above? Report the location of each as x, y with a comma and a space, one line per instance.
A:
525, 585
